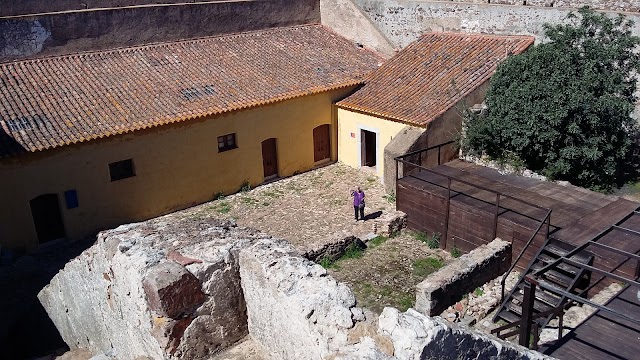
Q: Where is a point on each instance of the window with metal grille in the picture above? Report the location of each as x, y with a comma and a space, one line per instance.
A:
227, 142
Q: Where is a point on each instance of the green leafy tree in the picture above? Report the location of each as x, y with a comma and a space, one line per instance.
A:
563, 107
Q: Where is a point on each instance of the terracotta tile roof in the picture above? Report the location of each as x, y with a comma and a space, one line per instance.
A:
51, 102
432, 74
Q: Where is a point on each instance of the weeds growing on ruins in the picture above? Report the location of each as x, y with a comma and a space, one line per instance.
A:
563, 108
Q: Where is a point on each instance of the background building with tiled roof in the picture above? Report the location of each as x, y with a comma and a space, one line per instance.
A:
415, 99
92, 140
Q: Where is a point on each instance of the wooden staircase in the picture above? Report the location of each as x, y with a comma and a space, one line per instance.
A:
563, 276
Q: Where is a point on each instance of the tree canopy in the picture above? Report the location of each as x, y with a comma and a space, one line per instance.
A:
563, 107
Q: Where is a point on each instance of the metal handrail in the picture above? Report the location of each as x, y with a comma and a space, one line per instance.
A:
575, 298
546, 219
425, 149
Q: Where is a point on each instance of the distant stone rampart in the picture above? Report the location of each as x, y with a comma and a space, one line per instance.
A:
72, 31
404, 21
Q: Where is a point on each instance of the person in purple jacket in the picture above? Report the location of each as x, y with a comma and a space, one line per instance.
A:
358, 203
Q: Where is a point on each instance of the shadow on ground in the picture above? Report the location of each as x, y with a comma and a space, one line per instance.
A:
26, 332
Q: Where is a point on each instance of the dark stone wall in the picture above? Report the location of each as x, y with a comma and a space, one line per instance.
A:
24, 7
55, 34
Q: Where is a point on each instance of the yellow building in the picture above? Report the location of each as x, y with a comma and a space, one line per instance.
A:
93, 140
415, 100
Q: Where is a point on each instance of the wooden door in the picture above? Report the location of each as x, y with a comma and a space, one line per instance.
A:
368, 148
321, 149
47, 218
270, 158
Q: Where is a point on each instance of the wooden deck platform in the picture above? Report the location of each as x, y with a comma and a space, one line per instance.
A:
577, 214
603, 336
468, 211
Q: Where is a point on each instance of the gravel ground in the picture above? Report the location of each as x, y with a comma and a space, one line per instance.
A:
308, 210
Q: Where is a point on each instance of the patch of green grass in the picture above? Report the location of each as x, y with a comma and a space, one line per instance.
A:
245, 186
377, 240
455, 252
478, 292
426, 266
197, 216
218, 196
327, 263
273, 194
249, 200
295, 187
391, 198
365, 288
222, 207
420, 236
341, 171
386, 291
353, 251
433, 241
405, 302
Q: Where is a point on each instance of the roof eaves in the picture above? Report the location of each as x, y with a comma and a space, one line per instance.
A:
149, 125
367, 111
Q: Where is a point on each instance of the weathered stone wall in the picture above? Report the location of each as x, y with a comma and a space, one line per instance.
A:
184, 287
23, 7
345, 18
446, 286
61, 33
404, 21
295, 310
157, 289
416, 336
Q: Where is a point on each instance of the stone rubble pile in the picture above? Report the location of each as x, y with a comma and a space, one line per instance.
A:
480, 302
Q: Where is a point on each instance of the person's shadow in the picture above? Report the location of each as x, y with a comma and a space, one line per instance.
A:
373, 215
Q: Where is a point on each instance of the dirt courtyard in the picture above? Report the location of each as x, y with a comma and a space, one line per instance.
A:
308, 210
316, 208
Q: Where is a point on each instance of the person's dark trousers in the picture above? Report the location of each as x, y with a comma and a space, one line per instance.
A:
362, 213
355, 210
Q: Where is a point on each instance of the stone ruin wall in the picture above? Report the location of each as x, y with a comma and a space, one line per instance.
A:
24, 7
613, 5
62, 33
188, 288
402, 22
397, 23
